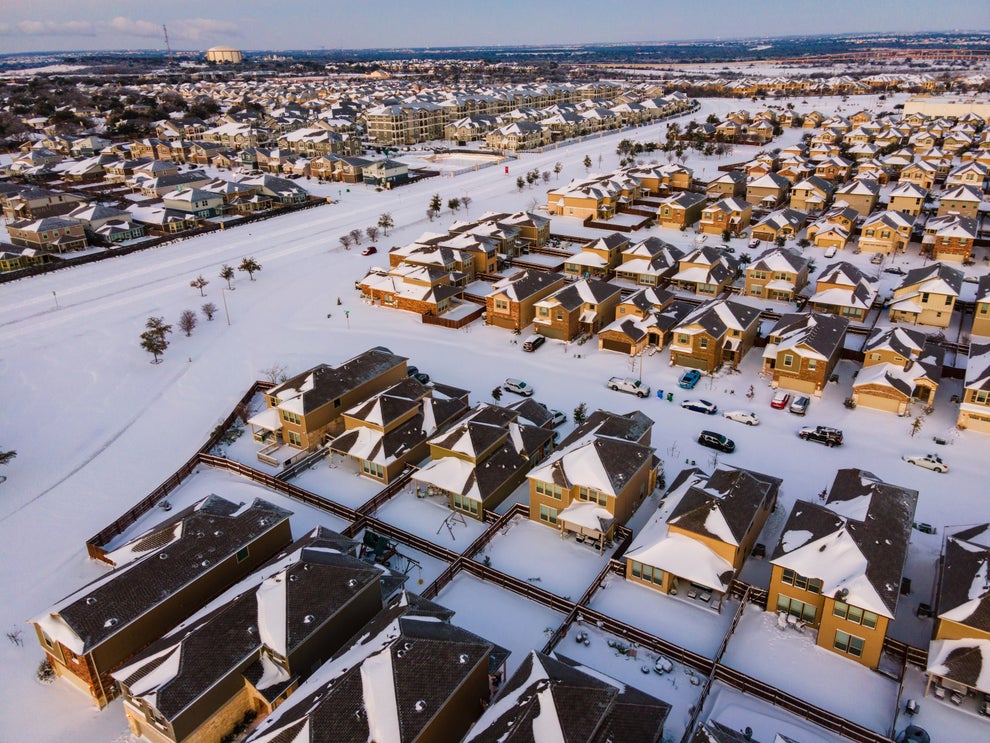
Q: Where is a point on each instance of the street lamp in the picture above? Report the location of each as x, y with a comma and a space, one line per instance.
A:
223, 294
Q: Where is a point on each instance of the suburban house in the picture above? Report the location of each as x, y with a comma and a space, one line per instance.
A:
839, 563
194, 202
768, 191
861, 194
579, 308
511, 304
962, 200
727, 185
802, 350
706, 271
245, 652
812, 195
548, 698
959, 653
777, 273
649, 262
907, 198
834, 227
680, 210
974, 411
388, 432
407, 675
597, 258
899, 365
702, 533
981, 309
416, 285
927, 295
886, 232
647, 317
598, 196
304, 410
842, 289
729, 215
534, 230
385, 173
920, 173
950, 238
476, 464
779, 225
719, 331
602, 472
54, 234
180, 565
968, 174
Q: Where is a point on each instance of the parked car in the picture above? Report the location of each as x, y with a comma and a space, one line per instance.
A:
830, 251
742, 416
876, 259
627, 384
421, 377
533, 342
800, 405
557, 418
780, 400
700, 406
716, 441
754, 243
928, 461
896, 270
370, 250
822, 434
518, 386
689, 379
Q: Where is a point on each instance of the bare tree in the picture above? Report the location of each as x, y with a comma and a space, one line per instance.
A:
199, 283
6, 456
372, 233
356, 235
557, 167
431, 214
465, 202
274, 373
209, 310
546, 176
345, 240
188, 322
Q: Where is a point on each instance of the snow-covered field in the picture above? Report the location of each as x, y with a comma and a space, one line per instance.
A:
96, 426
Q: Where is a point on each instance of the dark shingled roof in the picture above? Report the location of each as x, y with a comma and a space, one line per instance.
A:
951, 276
820, 332
629, 427
207, 534
967, 558
737, 494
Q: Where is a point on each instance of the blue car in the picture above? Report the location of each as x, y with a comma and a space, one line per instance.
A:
689, 379
700, 406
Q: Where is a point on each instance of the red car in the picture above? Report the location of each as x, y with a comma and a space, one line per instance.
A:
780, 400
370, 250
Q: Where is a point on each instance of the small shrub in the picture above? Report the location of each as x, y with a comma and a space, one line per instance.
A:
45, 673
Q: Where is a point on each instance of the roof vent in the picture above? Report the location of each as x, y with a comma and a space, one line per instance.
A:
205, 563
252, 630
308, 619
462, 658
420, 705
111, 622
400, 653
293, 577
90, 600
218, 533
162, 555
407, 645
352, 583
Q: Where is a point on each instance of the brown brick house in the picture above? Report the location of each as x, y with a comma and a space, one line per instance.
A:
777, 273
802, 351
950, 237
54, 234
680, 210
717, 332
730, 215
582, 307
512, 302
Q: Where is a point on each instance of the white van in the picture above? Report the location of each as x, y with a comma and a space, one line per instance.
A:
830, 252
518, 386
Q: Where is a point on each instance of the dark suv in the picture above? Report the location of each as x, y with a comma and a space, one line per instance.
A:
716, 441
822, 434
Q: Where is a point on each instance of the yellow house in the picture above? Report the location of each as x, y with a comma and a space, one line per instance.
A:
861, 194
701, 535
962, 200
706, 271
886, 232
646, 317
802, 350
511, 304
783, 223
777, 273
730, 215
899, 365
974, 411
812, 194
957, 656
981, 310
842, 289
768, 191
595, 482
920, 173
839, 563
908, 198
927, 296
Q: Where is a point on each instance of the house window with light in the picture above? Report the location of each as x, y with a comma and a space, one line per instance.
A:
812, 585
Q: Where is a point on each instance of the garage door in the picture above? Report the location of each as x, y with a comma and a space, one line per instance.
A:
878, 402
610, 344
690, 362
798, 385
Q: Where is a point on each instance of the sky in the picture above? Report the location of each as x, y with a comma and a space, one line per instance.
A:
61, 25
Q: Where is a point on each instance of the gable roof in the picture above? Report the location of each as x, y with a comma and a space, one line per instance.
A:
964, 584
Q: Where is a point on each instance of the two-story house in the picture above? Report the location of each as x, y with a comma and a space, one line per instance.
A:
768, 191
53, 234
886, 232
702, 533
646, 317
777, 273
802, 350
861, 194
834, 227
650, 262
706, 271
680, 210
719, 331
811, 195
583, 307
597, 258
730, 215
839, 563
981, 307
842, 289
974, 411
927, 295
511, 304
780, 224
960, 200
950, 238
159, 578
908, 198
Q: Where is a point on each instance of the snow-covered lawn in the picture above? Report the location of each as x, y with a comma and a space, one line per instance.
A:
430, 518
738, 711
405, 561
672, 618
507, 619
338, 480
674, 688
940, 717
526, 550
791, 661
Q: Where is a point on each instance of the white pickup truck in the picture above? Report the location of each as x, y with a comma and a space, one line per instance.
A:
632, 386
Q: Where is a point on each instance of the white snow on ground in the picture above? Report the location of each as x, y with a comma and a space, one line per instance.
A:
97, 427
738, 711
431, 519
789, 660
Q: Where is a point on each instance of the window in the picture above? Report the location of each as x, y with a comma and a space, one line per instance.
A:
593, 496
812, 363
924, 297
788, 360
647, 573
295, 439
291, 417
846, 643
981, 397
854, 614
813, 585
549, 489
801, 610
502, 305
548, 514
463, 503
372, 468
242, 554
